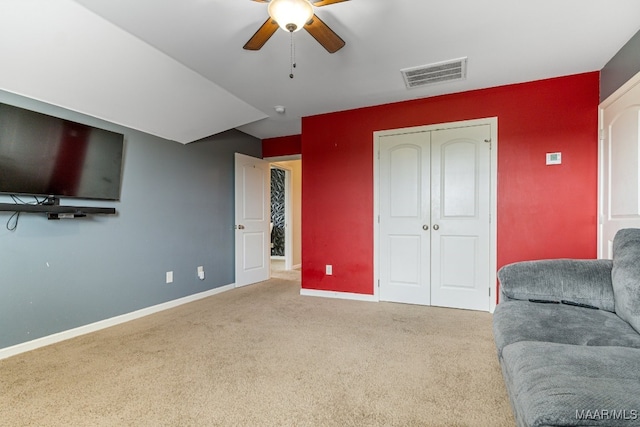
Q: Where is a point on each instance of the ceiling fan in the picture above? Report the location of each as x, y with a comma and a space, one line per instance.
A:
293, 15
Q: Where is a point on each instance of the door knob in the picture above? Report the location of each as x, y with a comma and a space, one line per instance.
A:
436, 227
240, 227
425, 227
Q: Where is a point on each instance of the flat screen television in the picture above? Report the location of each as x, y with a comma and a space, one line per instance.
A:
41, 155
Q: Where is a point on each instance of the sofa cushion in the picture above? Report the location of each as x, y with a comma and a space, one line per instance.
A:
515, 321
565, 385
581, 281
625, 275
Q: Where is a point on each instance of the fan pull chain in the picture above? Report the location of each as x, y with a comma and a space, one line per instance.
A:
293, 56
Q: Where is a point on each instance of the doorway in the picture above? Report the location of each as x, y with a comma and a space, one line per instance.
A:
286, 195
435, 233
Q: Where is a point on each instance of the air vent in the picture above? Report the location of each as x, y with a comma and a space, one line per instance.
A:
435, 73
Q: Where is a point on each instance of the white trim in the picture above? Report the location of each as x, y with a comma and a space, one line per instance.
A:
493, 245
283, 158
493, 260
288, 215
376, 214
107, 323
288, 219
600, 218
338, 295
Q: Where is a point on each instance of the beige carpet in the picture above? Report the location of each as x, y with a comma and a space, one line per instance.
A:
263, 355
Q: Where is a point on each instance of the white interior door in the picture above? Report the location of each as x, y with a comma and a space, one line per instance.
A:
252, 197
404, 218
460, 217
434, 203
619, 165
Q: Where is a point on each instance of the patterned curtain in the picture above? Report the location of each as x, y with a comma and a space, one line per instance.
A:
277, 212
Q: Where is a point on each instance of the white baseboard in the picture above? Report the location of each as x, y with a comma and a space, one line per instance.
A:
103, 324
338, 295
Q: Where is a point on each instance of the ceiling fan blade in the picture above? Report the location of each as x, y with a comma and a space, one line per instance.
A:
323, 2
324, 35
262, 35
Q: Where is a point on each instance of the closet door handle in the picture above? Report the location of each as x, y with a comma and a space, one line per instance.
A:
425, 227
436, 227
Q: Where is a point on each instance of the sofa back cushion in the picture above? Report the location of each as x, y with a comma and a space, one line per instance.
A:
576, 280
625, 275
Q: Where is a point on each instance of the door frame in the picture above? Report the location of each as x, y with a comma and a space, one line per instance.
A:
493, 191
289, 196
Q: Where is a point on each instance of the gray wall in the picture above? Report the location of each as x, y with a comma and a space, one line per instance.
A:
624, 65
176, 213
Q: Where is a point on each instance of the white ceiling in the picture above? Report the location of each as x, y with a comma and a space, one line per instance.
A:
176, 68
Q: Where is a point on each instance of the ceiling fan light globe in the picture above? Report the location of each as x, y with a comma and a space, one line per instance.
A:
291, 15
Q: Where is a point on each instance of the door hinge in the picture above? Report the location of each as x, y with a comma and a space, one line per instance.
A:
378, 219
378, 282
601, 135
489, 291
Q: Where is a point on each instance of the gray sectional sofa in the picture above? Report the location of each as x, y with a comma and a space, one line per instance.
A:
567, 334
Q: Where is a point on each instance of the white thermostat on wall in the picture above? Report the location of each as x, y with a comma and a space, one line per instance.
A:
554, 158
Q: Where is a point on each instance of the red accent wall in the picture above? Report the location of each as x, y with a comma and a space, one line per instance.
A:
543, 211
282, 146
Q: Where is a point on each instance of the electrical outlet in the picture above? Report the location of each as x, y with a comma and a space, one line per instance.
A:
200, 272
169, 276
329, 270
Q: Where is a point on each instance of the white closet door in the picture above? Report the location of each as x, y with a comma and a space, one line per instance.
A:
619, 165
434, 225
460, 217
404, 215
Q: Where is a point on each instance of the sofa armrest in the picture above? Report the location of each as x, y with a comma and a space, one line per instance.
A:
581, 281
